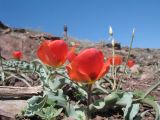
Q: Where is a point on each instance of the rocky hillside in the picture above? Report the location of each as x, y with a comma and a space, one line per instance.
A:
145, 73
21, 39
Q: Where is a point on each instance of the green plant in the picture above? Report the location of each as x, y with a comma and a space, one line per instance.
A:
70, 91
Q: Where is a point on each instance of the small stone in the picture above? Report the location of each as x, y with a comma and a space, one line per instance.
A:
135, 68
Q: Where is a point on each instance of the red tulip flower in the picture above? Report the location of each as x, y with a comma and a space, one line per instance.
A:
71, 54
116, 60
17, 55
53, 53
88, 66
130, 63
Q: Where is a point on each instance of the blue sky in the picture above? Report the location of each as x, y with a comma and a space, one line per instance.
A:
88, 19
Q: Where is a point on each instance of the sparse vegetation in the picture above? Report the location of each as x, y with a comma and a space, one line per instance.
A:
88, 82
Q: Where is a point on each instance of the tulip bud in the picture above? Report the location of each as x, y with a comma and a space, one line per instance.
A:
17, 54
133, 32
113, 42
110, 31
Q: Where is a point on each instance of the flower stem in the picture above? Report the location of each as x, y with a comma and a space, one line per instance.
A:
1, 61
120, 80
89, 101
151, 89
128, 54
113, 67
115, 78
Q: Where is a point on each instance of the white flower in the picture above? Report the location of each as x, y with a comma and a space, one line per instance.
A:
110, 31
133, 32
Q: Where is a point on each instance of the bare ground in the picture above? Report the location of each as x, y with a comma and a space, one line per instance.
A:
145, 73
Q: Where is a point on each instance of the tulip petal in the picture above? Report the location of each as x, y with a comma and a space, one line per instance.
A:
53, 53
116, 60
17, 55
43, 51
104, 70
71, 54
58, 52
77, 75
88, 66
89, 61
130, 63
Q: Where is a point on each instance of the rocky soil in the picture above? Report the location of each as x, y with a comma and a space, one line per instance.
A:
145, 73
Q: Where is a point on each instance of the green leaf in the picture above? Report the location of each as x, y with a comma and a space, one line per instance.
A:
56, 83
58, 97
75, 112
126, 100
99, 87
2, 75
133, 112
139, 94
49, 113
155, 106
57, 112
98, 104
108, 100
35, 104
43, 65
